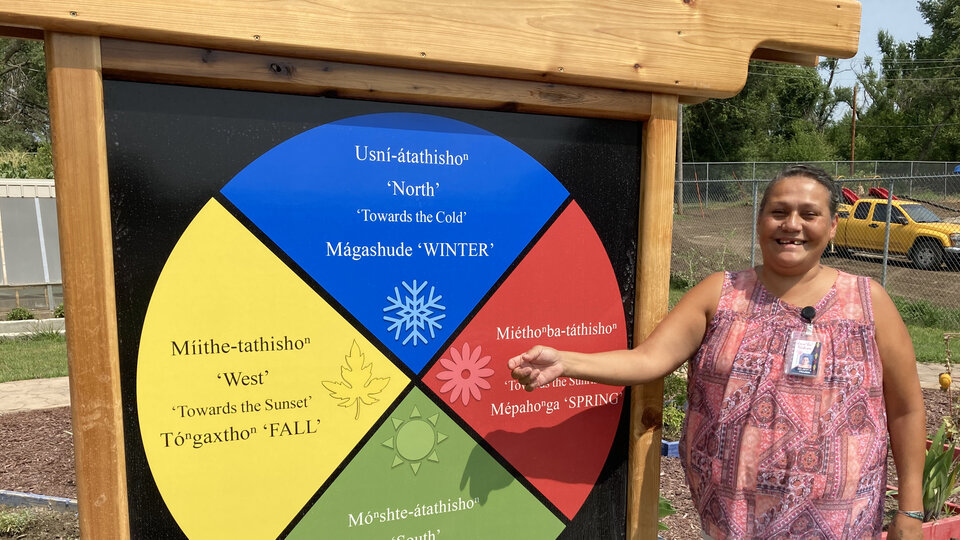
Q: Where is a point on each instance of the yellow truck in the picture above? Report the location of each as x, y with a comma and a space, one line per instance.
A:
915, 231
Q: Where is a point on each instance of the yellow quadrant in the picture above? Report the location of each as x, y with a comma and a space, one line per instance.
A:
251, 389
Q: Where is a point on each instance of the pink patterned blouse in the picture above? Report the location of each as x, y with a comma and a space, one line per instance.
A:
770, 455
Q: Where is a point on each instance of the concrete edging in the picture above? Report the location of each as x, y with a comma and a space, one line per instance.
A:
19, 499
30, 326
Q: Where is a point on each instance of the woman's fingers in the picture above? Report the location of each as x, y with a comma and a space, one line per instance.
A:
526, 369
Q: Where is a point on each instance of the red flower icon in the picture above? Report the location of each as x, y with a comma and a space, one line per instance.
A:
465, 373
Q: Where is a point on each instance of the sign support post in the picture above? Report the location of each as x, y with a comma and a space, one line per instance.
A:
83, 216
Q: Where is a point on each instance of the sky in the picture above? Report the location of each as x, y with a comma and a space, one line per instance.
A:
898, 17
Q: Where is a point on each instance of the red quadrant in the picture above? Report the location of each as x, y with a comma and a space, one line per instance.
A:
563, 294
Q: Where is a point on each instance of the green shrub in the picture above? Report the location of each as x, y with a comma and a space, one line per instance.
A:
672, 423
58, 311
927, 314
20, 314
674, 399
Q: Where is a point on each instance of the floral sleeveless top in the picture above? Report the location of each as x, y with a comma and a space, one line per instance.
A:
771, 455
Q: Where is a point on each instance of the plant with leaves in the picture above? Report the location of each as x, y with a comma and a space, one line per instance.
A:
358, 386
664, 509
941, 472
20, 313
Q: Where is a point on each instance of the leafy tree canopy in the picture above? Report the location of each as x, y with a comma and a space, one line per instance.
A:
24, 123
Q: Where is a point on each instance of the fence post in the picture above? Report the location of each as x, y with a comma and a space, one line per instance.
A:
753, 231
911, 179
886, 236
706, 199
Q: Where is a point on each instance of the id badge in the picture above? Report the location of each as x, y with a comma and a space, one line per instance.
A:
803, 355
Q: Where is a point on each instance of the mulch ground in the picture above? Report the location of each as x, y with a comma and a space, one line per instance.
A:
36, 452
36, 456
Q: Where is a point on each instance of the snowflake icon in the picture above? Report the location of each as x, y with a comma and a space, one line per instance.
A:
414, 313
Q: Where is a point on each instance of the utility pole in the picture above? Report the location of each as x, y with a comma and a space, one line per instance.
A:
853, 131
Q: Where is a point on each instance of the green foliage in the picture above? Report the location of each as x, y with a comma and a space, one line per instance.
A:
24, 122
908, 105
37, 522
58, 311
18, 164
780, 114
663, 510
14, 521
914, 91
927, 314
41, 333
20, 314
672, 422
941, 471
34, 356
927, 343
674, 400
683, 281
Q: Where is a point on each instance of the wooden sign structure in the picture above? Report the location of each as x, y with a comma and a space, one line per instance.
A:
632, 60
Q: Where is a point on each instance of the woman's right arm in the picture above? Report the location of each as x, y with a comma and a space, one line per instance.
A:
673, 341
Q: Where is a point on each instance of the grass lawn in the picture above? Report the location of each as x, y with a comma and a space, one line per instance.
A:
928, 343
36, 356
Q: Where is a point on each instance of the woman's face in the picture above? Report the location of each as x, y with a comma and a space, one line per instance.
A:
795, 225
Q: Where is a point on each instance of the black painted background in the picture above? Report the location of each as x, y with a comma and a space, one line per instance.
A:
171, 148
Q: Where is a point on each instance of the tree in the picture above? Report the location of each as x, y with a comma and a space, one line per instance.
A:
24, 122
914, 92
780, 114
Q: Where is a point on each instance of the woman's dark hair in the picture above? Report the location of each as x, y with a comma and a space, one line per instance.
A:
807, 171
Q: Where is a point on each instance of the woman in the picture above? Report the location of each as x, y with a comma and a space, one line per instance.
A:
797, 374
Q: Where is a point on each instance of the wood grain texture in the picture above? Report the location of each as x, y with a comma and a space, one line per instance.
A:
83, 214
149, 62
653, 283
684, 47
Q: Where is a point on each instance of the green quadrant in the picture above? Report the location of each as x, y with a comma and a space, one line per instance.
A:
421, 475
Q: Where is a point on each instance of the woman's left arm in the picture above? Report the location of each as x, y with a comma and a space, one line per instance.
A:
905, 409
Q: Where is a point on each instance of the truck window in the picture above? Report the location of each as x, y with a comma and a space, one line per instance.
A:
880, 213
861, 211
920, 213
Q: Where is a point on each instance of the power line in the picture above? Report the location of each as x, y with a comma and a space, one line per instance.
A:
710, 123
920, 61
907, 79
908, 125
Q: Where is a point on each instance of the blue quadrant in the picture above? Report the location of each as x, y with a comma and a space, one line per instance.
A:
406, 219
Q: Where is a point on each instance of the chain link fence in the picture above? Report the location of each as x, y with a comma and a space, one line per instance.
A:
914, 250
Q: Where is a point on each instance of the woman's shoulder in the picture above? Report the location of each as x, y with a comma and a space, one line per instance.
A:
846, 280
740, 276
729, 290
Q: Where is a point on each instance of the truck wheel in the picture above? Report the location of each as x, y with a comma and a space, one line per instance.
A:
926, 255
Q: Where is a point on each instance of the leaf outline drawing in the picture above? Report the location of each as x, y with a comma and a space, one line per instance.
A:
359, 385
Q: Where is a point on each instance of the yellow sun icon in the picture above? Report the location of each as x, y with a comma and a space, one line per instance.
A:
415, 440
